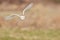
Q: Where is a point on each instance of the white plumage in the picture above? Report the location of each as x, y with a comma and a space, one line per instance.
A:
27, 8
21, 17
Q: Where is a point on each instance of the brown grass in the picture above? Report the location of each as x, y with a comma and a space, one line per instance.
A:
40, 16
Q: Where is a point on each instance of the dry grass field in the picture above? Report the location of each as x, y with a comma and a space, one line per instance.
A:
41, 23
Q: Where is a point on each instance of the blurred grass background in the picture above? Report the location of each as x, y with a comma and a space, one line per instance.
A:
42, 23
18, 34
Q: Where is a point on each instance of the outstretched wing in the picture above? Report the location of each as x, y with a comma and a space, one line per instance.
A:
27, 7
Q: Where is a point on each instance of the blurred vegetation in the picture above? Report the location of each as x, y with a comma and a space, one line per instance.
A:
56, 1
18, 34
27, 1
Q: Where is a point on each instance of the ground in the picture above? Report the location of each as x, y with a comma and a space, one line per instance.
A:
41, 23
